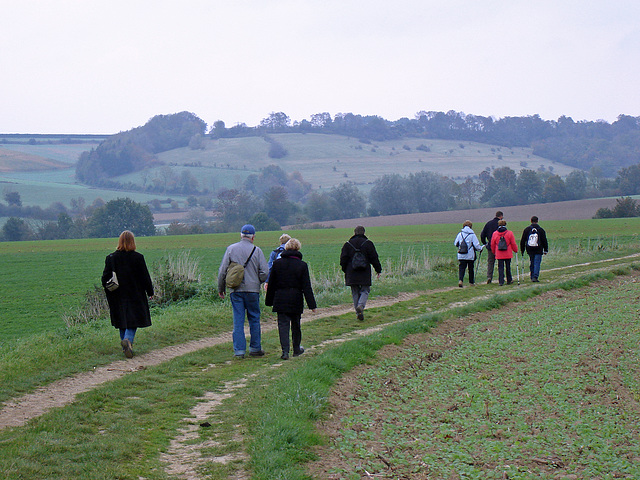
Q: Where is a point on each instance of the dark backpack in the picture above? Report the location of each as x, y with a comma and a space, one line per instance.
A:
502, 244
463, 248
359, 260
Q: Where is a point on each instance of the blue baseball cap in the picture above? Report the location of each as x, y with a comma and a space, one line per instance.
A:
248, 230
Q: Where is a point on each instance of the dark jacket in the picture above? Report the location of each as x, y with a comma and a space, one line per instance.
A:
128, 305
487, 232
288, 283
359, 277
543, 245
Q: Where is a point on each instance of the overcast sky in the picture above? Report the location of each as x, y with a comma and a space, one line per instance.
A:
88, 66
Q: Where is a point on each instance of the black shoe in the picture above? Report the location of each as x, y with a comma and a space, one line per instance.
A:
488, 281
360, 313
509, 283
299, 352
535, 280
284, 356
239, 357
259, 353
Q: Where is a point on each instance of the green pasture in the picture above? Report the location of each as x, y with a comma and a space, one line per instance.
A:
40, 281
42, 188
208, 177
66, 153
328, 160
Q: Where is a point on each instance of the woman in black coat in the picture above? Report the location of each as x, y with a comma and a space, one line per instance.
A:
128, 304
289, 282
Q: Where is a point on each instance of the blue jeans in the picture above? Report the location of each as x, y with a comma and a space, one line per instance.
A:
534, 265
128, 333
249, 302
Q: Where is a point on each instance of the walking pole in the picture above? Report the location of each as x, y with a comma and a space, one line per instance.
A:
477, 265
518, 267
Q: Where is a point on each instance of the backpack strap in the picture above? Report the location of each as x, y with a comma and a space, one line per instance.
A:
354, 247
250, 255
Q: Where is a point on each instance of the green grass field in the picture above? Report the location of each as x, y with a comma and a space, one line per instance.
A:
328, 160
265, 423
74, 266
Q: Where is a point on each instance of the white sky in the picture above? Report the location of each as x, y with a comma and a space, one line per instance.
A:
88, 66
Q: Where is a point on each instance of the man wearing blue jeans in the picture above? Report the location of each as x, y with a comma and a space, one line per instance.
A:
534, 239
245, 297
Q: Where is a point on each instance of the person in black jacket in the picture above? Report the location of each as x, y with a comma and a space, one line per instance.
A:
534, 239
359, 279
485, 238
289, 282
128, 304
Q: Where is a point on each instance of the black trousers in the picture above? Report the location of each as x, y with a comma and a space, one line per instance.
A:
502, 265
286, 320
462, 266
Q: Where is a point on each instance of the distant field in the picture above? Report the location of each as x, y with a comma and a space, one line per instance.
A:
20, 161
328, 160
65, 153
323, 160
39, 281
49, 186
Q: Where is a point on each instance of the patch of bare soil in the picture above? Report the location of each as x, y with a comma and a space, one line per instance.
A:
446, 336
185, 452
569, 210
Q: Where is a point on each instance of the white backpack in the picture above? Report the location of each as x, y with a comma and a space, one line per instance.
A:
532, 241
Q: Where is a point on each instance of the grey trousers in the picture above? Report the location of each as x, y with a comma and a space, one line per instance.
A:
360, 294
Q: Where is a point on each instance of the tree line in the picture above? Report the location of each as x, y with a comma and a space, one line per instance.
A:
583, 144
273, 198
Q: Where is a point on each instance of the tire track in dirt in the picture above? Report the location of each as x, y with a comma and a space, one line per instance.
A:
19, 411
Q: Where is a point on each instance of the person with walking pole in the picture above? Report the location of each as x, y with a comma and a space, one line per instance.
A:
467, 244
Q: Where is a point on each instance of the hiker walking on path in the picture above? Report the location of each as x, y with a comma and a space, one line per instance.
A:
356, 258
485, 237
467, 244
246, 296
534, 239
503, 244
288, 287
284, 238
128, 302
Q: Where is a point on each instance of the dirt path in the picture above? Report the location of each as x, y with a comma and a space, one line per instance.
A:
19, 411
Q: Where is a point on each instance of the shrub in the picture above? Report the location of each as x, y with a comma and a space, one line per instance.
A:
175, 278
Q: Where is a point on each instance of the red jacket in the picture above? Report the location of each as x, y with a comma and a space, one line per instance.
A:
512, 246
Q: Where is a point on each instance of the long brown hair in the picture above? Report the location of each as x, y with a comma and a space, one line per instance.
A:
126, 242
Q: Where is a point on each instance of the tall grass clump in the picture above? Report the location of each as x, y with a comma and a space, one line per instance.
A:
93, 307
175, 277
411, 263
